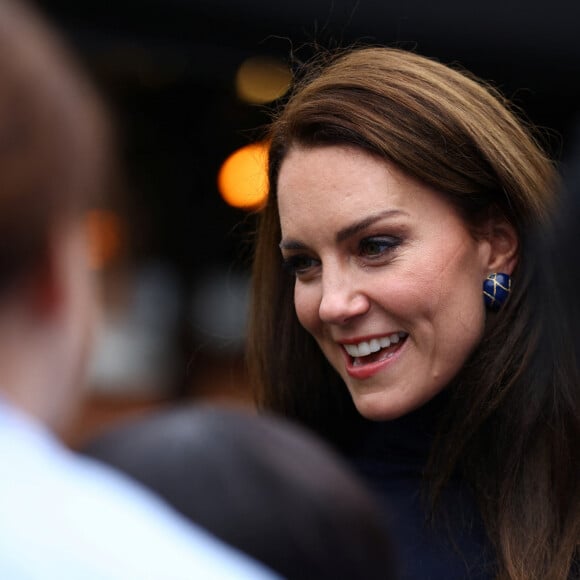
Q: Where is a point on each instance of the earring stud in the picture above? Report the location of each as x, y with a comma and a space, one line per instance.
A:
496, 289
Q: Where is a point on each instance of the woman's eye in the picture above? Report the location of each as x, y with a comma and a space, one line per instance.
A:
299, 265
377, 246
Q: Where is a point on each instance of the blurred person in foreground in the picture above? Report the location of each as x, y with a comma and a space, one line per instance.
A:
261, 484
62, 516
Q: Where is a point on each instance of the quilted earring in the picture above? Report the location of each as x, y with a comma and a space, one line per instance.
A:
496, 289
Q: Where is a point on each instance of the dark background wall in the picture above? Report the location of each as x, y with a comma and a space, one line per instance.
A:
167, 67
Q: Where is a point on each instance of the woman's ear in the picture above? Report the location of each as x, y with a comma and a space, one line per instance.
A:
503, 245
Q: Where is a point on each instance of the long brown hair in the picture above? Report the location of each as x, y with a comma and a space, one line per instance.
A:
511, 430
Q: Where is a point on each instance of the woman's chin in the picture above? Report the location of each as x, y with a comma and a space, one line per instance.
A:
385, 407
378, 411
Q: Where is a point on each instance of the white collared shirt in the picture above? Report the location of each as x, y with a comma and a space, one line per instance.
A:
67, 517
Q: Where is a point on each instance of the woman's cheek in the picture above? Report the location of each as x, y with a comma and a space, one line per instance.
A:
306, 304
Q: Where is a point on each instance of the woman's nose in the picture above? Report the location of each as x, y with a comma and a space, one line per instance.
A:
342, 298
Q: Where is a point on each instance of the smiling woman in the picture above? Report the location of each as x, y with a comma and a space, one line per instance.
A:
362, 271
397, 187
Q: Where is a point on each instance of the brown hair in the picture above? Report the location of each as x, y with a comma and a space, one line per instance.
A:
460, 137
52, 138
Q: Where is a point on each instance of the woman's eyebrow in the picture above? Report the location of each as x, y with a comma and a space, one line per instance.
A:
291, 245
361, 225
347, 231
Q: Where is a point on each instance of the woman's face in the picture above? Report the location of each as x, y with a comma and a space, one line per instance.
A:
388, 276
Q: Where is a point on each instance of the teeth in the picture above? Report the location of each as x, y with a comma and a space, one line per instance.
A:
374, 345
364, 349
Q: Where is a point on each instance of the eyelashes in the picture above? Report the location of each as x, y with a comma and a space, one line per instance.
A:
299, 264
370, 250
377, 246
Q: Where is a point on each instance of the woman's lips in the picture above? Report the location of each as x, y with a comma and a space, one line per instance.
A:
362, 367
364, 347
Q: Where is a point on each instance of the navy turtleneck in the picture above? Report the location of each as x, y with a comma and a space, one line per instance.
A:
391, 457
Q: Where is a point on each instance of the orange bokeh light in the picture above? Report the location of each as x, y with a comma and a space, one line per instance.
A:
105, 234
243, 179
262, 79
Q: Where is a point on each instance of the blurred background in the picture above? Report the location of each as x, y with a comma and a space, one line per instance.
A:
189, 83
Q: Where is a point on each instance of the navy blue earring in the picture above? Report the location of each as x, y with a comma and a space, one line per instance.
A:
496, 289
